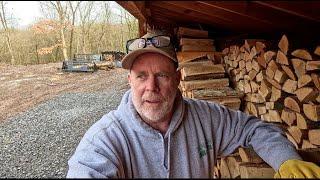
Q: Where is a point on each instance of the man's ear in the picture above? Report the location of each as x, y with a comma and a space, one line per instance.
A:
129, 78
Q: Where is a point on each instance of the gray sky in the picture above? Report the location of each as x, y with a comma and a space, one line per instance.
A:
27, 12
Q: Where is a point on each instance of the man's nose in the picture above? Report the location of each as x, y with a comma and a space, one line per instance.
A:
152, 84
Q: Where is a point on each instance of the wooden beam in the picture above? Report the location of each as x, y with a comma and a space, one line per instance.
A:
229, 8
138, 10
177, 12
294, 9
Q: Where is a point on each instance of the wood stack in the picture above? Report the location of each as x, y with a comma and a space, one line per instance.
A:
202, 74
280, 86
246, 163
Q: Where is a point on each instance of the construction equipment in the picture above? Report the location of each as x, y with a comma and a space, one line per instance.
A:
92, 62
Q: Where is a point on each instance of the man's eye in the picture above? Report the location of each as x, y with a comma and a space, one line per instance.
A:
163, 75
141, 76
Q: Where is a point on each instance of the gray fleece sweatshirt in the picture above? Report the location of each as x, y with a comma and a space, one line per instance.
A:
121, 145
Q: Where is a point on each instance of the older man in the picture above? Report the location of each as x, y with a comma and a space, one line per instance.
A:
156, 133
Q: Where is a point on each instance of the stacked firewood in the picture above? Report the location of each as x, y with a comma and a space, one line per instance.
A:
243, 164
246, 163
202, 74
280, 86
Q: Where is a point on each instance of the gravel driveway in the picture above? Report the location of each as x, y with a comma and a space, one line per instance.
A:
39, 142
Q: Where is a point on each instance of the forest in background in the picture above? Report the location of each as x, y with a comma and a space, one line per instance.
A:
66, 28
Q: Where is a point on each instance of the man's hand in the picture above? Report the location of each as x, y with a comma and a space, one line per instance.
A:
294, 168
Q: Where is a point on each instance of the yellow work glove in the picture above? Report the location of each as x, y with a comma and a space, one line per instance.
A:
294, 168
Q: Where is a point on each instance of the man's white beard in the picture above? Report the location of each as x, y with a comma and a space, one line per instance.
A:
153, 114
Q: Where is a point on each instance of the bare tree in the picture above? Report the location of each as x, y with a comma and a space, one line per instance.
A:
4, 23
87, 19
73, 18
59, 12
105, 22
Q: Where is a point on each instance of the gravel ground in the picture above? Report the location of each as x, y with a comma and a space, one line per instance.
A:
39, 142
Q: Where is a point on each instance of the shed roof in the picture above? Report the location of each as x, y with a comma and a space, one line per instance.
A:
233, 17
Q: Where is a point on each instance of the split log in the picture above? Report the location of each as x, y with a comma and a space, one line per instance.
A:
291, 139
271, 69
253, 52
260, 75
254, 97
205, 84
253, 170
284, 44
254, 87
249, 155
297, 134
312, 111
292, 103
202, 72
282, 58
268, 56
304, 80
274, 105
262, 109
252, 74
247, 87
260, 46
196, 42
261, 60
316, 80
192, 48
301, 53
242, 64
225, 51
265, 89
314, 135
290, 86
288, 116
233, 164
246, 46
317, 51
202, 62
280, 76
289, 72
221, 92
307, 145
248, 65
274, 116
188, 32
274, 83
299, 66
306, 94
313, 65
304, 123
188, 56
255, 65
275, 94
224, 169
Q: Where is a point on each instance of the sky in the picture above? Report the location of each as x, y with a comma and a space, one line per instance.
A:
27, 12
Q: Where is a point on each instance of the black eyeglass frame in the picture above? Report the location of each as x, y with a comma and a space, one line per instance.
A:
146, 40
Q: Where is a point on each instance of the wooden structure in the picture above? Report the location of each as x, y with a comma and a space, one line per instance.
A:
246, 19
266, 53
